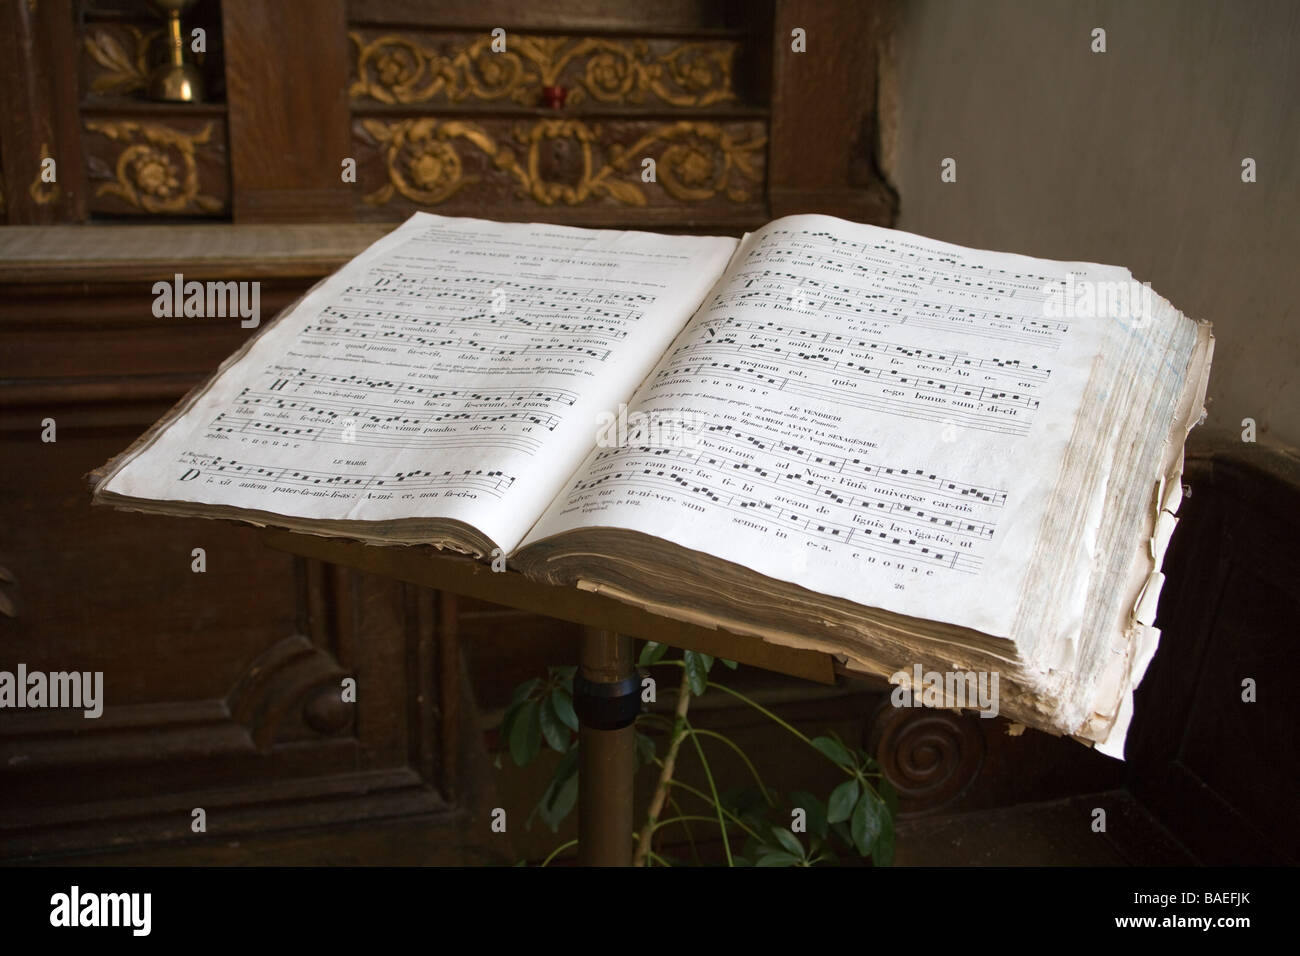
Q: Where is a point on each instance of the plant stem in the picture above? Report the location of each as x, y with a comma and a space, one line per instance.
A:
686, 817
765, 712
743, 756
558, 850
725, 812
680, 784
666, 772
771, 716
690, 836
717, 801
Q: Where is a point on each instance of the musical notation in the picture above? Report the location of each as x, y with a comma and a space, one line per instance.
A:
363, 412
294, 379
804, 378
956, 358
858, 373
360, 332
209, 468
843, 501
485, 321
886, 258
302, 406
452, 356
895, 307
415, 282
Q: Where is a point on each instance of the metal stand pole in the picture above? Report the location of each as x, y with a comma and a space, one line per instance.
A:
607, 698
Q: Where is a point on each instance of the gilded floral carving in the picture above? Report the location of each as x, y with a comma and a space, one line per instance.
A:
422, 163
123, 61
401, 69
695, 161
156, 171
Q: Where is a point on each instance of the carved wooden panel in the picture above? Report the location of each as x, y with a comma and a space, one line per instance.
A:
456, 164
142, 158
147, 164
442, 68
221, 689
121, 41
570, 114
116, 56
554, 125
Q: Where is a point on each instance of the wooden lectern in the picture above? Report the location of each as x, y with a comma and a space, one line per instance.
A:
608, 756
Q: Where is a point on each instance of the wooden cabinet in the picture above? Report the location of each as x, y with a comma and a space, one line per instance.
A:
685, 114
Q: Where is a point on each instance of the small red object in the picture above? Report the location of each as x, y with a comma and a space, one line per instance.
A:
553, 96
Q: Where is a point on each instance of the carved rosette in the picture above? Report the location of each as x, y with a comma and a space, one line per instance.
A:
697, 161
421, 160
156, 170
395, 69
565, 161
454, 68
930, 756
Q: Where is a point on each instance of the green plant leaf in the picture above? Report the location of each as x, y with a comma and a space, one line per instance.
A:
815, 809
843, 799
556, 734
882, 853
508, 723
866, 822
543, 808
562, 701
562, 793
836, 751
526, 734
889, 795
748, 803
524, 690
568, 765
730, 664
789, 841
565, 799
697, 670
565, 673
652, 653
841, 830
778, 858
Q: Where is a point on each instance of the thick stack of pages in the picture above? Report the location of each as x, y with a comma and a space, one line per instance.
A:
827, 435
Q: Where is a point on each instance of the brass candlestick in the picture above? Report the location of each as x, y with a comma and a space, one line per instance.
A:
177, 80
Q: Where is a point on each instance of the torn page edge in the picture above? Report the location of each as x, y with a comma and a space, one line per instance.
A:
1113, 699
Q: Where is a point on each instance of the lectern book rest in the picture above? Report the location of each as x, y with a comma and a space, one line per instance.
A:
921, 458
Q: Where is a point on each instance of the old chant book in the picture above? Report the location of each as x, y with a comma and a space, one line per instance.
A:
828, 435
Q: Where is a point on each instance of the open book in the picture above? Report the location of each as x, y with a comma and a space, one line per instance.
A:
825, 434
